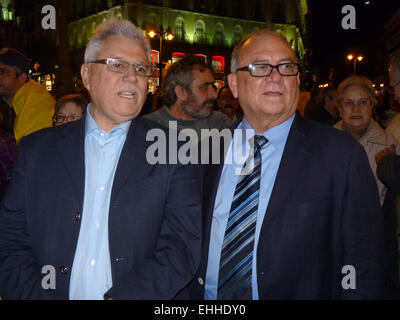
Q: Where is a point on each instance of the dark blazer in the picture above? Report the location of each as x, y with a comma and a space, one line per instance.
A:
323, 213
388, 171
154, 218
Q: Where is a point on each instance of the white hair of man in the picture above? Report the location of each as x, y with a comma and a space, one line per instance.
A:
115, 27
258, 32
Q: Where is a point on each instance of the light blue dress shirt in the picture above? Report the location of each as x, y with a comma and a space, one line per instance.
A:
91, 271
271, 155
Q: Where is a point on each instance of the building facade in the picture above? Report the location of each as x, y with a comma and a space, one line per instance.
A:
209, 28
10, 35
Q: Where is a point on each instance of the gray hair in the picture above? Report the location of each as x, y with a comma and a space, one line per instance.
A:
181, 73
258, 32
119, 28
394, 63
356, 80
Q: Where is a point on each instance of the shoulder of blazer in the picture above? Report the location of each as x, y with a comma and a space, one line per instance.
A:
46, 137
322, 133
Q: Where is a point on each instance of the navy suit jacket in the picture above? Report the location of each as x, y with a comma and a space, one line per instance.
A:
323, 214
154, 218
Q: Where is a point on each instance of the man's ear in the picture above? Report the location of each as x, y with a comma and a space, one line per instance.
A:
22, 78
232, 81
85, 75
181, 93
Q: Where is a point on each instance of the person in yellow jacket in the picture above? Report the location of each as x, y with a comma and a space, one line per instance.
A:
34, 109
32, 104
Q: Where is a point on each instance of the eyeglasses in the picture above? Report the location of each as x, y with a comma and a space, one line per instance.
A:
265, 69
121, 66
62, 118
391, 88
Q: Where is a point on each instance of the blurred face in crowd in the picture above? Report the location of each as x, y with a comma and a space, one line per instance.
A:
116, 97
394, 82
198, 101
227, 103
10, 81
356, 108
67, 113
270, 100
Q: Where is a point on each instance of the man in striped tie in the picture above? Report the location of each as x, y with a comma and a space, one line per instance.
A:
300, 218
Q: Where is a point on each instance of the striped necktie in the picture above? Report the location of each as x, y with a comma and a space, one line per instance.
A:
235, 270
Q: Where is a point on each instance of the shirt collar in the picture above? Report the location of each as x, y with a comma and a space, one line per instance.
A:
92, 126
277, 135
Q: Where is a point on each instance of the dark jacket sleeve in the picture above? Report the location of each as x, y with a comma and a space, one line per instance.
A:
388, 171
362, 229
8, 155
20, 275
177, 256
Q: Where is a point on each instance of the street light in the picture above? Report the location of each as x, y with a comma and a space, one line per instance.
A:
169, 36
350, 57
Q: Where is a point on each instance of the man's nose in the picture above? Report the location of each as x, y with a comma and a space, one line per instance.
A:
131, 73
275, 76
212, 92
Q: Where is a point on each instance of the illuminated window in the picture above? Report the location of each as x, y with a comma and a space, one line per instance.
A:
151, 18
155, 56
177, 56
5, 14
179, 29
218, 64
219, 37
237, 34
202, 56
199, 32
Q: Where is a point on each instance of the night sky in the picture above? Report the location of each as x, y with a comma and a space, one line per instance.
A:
331, 44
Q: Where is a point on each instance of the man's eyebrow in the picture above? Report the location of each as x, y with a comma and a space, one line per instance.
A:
126, 60
288, 60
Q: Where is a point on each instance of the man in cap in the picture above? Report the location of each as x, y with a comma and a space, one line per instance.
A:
26, 105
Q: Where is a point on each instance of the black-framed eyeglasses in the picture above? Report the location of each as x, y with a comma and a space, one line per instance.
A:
265, 69
62, 118
391, 88
122, 66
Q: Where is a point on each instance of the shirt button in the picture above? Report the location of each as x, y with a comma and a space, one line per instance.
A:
77, 216
102, 188
201, 281
97, 224
64, 270
93, 263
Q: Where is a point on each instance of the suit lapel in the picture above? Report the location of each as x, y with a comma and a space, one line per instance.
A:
71, 149
133, 157
294, 159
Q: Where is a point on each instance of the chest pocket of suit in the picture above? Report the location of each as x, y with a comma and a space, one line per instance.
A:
315, 224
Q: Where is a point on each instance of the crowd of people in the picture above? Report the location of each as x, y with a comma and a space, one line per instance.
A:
318, 193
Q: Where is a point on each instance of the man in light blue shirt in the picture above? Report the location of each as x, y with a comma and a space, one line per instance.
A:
91, 272
86, 204
271, 157
295, 221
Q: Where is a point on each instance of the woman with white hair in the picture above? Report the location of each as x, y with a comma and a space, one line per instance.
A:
356, 102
